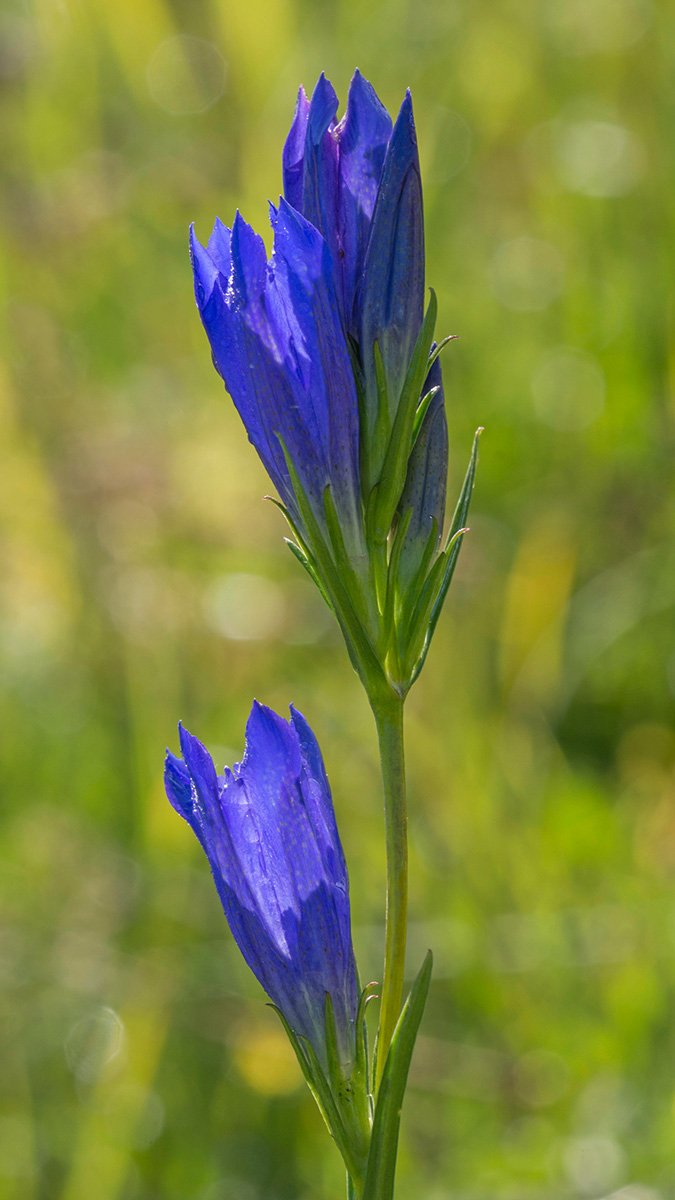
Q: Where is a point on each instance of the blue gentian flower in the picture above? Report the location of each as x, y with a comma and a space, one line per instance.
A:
277, 342
358, 181
332, 173
329, 357
268, 829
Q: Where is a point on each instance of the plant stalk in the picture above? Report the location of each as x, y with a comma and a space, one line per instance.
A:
389, 721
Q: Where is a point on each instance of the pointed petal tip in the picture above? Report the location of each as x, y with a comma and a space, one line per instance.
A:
323, 105
189, 744
262, 722
406, 110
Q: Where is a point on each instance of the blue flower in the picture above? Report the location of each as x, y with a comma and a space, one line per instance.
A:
332, 173
278, 343
268, 829
358, 182
330, 359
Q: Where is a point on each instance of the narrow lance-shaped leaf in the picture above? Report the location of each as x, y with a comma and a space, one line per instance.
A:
432, 589
393, 475
361, 653
458, 522
379, 1184
321, 1091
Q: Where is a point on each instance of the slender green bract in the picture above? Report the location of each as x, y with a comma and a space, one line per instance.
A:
379, 1183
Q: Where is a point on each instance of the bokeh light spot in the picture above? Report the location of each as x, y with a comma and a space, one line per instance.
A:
598, 158
597, 27
265, 1060
527, 274
568, 389
93, 1043
594, 1163
186, 75
245, 607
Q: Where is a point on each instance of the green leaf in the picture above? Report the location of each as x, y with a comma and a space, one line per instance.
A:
389, 617
340, 555
305, 562
421, 412
380, 433
362, 1066
361, 652
380, 1172
452, 548
332, 1051
322, 1093
394, 470
438, 350
416, 628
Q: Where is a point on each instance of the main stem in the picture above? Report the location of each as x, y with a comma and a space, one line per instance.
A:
389, 721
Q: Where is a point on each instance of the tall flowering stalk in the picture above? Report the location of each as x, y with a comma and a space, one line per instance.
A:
331, 360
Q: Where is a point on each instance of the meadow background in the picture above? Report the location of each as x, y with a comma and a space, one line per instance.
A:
144, 579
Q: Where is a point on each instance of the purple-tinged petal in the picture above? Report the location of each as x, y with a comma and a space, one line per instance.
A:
249, 262
392, 299
178, 786
303, 276
204, 270
269, 833
363, 135
322, 110
219, 247
272, 757
293, 157
200, 766
277, 341
316, 771
320, 196
249, 365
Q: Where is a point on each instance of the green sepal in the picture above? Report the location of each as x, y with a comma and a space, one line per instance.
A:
389, 616
350, 1091
299, 550
434, 587
299, 554
421, 412
335, 1072
395, 467
382, 428
379, 1182
340, 554
363, 657
361, 1064
438, 350
451, 550
320, 1088
412, 590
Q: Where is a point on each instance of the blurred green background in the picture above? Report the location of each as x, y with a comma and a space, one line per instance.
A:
144, 579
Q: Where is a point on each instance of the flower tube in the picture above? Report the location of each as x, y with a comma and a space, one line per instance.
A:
268, 829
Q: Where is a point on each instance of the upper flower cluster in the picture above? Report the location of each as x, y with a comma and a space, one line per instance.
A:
330, 360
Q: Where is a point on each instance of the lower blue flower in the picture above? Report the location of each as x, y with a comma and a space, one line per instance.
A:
268, 829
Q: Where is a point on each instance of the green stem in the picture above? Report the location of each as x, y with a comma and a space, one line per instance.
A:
389, 720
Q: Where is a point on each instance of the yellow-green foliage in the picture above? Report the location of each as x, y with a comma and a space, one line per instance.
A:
144, 579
